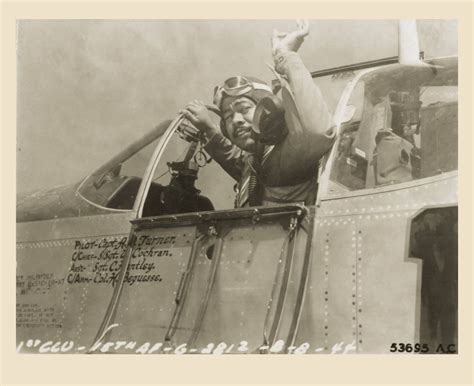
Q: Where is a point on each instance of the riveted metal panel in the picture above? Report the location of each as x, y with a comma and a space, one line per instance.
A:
147, 301
434, 191
360, 276
241, 295
361, 241
201, 277
65, 276
226, 301
292, 292
74, 227
388, 283
329, 310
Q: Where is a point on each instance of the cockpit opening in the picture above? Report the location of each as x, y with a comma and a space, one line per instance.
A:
404, 128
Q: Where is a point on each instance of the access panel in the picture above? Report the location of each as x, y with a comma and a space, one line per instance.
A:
228, 283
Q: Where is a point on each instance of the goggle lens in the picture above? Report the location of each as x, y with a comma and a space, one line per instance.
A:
235, 86
236, 82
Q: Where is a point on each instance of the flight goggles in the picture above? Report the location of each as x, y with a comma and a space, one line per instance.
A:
237, 86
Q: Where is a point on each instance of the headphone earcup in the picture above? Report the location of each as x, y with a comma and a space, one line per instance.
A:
269, 120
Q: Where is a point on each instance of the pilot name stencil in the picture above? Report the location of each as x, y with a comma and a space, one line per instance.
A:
99, 261
146, 240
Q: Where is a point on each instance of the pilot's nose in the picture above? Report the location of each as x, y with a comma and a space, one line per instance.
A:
238, 119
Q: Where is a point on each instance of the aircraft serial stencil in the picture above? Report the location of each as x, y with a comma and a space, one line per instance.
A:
123, 262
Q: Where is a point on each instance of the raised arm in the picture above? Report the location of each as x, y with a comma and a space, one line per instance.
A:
314, 115
313, 112
310, 129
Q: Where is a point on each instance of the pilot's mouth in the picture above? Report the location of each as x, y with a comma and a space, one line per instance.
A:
243, 131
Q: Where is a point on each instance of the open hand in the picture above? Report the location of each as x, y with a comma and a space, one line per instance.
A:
290, 41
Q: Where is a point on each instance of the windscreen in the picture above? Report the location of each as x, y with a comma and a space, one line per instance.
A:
115, 185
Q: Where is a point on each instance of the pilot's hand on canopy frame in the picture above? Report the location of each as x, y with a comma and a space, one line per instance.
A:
290, 41
198, 114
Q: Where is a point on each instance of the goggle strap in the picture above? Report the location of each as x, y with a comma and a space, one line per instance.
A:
259, 86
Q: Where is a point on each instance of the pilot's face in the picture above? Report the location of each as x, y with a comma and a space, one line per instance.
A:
238, 114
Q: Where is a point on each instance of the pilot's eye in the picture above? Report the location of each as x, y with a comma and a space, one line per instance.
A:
241, 107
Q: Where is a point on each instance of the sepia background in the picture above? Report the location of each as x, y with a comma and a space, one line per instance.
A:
225, 370
88, 88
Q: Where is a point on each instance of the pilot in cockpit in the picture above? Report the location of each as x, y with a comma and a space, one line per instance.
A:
284, 168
